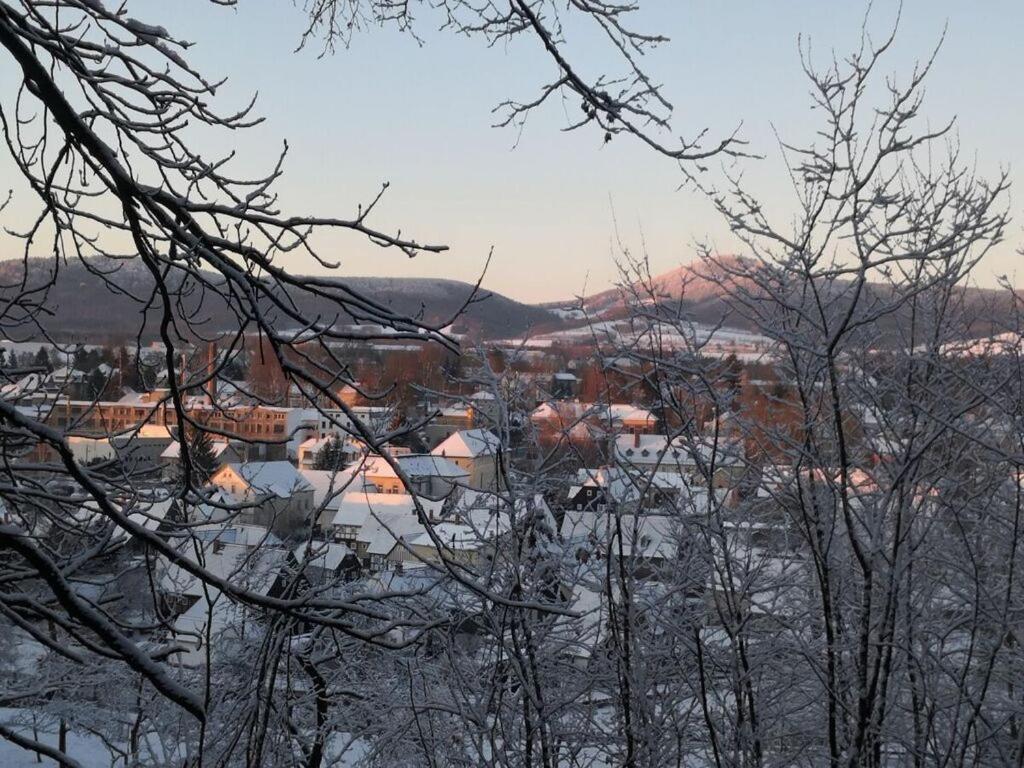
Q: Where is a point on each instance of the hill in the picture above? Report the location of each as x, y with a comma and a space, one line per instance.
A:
85, 306
701, 291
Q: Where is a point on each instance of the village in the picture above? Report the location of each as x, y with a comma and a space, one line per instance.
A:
454, 383
337, 493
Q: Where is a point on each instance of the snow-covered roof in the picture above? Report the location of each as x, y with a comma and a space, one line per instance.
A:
415, 465
254, 570
151, 515
354, 507
457, 412
27, 384
88, 449
326, 555
642, 535
627, 484
623, 412
245, 555
147, 512
659, 449
453, 535
357, 507
66, 373
329, 486
131, 397
564, 411
468, 444
279, 478
569, 411
488, 512
173, 451
159, 431
610, 477
314, 444
383, 530
240, 534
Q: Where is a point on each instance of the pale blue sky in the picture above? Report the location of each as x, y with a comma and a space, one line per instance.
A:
419, 117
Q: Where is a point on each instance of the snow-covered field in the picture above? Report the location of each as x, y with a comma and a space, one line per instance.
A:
716, 342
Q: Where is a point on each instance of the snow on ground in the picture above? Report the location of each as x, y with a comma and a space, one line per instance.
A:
568, 313
342, 750
86, 749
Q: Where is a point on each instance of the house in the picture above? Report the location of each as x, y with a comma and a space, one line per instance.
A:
328, 489
154, 513
692, 459
224, 451
32, 387
324, 562
559, 415
278, 496
453, 542
431, 476
448, 421
250, 558
596, 419
66, 376
140, 450
309, 451
356, 510
476, 451
385, 536
564, 385
629, 418
421, 591
91, 450
596, 490
646, 539
587, 628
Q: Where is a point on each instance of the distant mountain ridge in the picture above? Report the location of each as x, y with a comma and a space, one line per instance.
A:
702, 290
83, 307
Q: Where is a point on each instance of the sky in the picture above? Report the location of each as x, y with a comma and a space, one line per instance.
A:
551, 205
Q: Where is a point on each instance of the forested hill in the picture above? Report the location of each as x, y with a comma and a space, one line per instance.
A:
702, 292
82, 306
